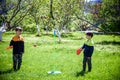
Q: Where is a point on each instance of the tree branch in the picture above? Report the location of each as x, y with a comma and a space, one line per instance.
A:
16, 10
21, 18
51, 9
89, 22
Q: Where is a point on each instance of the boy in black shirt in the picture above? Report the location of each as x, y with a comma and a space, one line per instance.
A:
17, 43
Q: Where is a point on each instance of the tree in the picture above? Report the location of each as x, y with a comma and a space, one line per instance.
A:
16, 10
35, 13
110, 15
61, 12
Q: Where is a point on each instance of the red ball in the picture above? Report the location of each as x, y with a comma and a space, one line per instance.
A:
34, 45
78, 51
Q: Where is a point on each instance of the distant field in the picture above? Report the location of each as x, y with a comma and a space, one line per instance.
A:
50, 55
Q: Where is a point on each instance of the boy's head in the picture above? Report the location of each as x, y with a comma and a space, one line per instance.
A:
89, 35
18, 30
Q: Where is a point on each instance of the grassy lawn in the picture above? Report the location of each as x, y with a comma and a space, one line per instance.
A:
50, 55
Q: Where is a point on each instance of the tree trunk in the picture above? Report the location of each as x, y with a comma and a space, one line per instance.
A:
46, 29
58, 34
2, 29
51, 9
38, 30
0, 35
65, 29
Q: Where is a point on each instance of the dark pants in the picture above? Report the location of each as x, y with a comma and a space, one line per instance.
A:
17, 61
88, 61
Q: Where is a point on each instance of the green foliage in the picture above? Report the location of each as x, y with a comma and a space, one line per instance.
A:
110, 13
65, 13
30, 29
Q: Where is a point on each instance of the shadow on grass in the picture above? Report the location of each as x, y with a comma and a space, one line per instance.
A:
63, 35
109, 42
2, 41
81, 73
50, 35
6, 71
80, 38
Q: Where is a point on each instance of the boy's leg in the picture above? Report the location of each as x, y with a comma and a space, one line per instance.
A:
84, 63
19, 61
89, 64
14, 61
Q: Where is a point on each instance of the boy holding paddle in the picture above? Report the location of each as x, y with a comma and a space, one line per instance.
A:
17, 43
88, 48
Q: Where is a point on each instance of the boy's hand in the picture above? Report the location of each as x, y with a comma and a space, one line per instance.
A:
81, 49
9, 47
78, 51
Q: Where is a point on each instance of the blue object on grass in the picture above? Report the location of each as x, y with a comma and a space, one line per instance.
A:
55, 32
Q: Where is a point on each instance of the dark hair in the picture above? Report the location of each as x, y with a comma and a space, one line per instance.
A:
18, 28
89, 34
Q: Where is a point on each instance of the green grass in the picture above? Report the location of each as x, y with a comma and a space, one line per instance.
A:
37, 61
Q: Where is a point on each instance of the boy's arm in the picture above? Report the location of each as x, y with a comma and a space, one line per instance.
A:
91, 50
23, 47
11, 43
83, 46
